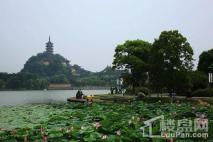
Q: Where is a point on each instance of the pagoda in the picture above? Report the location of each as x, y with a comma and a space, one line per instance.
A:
49, 47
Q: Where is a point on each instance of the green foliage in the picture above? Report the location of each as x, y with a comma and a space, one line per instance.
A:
106, 77
199, 80
99, 122
133, 56
21, 81
171, 61
206, 61
57, 69
208, 92
59, 79
2, 84
181, 82
45, 65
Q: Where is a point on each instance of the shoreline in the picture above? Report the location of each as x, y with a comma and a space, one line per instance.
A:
73, 88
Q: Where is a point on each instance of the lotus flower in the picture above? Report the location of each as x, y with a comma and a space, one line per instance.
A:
118, 132
179, 105
45, 139
61, 129
193, 108
164, 134
97, 125
72, 128
104, 137
82, 127
138, 118
42, 131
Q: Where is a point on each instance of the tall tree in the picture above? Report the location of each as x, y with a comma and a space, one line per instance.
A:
133, 56
171, 60
206, 61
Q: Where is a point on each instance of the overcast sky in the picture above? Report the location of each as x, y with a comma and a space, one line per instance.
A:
87, 31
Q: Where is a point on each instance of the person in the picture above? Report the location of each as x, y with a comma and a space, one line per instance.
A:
111, 90
79, 94
89, 99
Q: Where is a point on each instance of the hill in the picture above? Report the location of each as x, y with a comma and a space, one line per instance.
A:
106, 77
57, 69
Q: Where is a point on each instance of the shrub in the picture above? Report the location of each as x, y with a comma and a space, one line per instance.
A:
208, 92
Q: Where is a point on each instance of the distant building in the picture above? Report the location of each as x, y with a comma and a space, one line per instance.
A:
46, 62
49, 47
62, 86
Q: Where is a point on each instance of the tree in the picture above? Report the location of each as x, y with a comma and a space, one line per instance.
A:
2, 84
133, 56
199, 80
205, 61
171, 59
59, 79
21, 81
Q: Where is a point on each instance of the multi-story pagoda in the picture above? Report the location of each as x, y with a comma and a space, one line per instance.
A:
49, 47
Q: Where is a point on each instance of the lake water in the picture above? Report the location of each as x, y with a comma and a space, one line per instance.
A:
37, 97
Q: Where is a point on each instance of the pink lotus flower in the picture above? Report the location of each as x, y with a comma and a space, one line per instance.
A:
42, 131
164, 134
44, 138
97, 125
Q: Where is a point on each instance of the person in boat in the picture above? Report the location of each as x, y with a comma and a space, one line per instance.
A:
79, 94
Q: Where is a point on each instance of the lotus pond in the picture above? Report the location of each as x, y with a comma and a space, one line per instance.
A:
98, 122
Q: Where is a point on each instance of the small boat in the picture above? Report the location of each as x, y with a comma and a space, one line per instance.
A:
73, 99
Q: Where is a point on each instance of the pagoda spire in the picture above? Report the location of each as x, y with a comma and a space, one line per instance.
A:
49, 47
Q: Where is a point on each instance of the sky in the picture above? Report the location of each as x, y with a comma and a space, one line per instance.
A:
86, 32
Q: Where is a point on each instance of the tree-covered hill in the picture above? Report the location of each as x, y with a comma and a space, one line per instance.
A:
106, 77
56, 69
45, 65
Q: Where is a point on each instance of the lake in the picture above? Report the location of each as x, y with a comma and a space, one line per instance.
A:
37, 97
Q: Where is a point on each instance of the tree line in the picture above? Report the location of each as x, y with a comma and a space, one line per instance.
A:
21, 81
166, 65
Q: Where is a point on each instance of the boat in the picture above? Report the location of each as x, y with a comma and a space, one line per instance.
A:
73, 99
